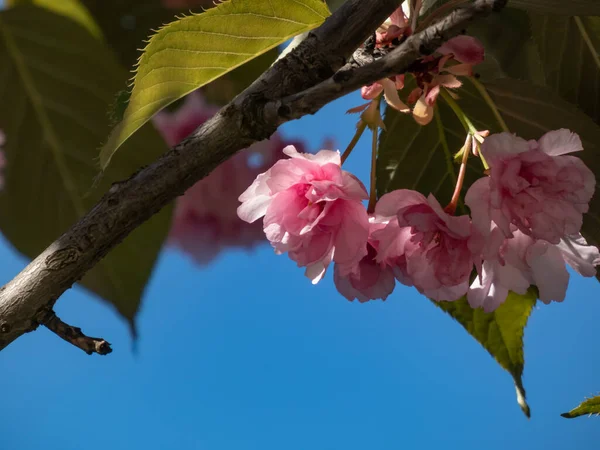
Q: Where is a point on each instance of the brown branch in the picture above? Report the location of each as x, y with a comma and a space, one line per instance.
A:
350, 78
74, 336
250, 117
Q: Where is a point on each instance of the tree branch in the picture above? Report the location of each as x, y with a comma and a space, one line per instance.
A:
74, 336
252, 116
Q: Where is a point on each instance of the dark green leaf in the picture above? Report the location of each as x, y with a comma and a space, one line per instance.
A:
564, 7
588, 407
500, 332
570, 51
55, 88
127, 24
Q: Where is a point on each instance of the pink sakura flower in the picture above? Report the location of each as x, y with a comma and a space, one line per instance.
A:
370, 280
312, 209
467, 51
394, 28
533, 185
522, 261
205, 219
425, 246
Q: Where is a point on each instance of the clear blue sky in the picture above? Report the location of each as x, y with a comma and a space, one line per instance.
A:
247, 354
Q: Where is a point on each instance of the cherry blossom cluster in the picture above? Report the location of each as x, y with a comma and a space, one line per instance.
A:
205, 220
454, 58
526, 216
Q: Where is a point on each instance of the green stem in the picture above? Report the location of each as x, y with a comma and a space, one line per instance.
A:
360, 129
373, 187
469, 127
486, 97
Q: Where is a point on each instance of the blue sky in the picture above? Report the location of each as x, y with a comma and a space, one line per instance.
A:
247, 354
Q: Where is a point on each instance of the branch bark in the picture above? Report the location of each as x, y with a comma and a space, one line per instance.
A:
299, 84
75, 336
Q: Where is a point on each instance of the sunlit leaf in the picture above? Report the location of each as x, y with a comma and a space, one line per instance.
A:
55, 87
500, 332
197, 49
589, 407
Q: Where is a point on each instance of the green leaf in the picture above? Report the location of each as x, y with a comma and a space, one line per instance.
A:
54, 99
588, 407
197, 49
570, 51
499, 332
73, 9
564, 7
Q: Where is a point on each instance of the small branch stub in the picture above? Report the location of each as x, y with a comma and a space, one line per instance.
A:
74, 336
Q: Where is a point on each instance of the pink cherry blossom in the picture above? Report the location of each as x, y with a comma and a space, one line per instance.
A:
425, 246
465, 50
533, 185
312, 210
522, 261
396, 26
370, 280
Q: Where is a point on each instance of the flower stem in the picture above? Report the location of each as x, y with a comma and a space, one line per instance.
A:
360, 129
451, 208
486, 97
373, 187
469, 127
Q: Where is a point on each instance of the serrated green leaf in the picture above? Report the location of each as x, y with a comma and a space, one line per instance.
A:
564, 7
589, 407
499, 332
54, 99
197, 49
570, 52
73, 9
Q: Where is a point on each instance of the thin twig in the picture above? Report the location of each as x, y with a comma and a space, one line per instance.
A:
74, 335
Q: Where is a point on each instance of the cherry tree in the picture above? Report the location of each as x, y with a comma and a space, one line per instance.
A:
484, 150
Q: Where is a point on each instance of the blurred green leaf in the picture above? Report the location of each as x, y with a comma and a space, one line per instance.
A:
499, 332
214, 43
73, 9
588, 407
126, 24
55, 87
564, 7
